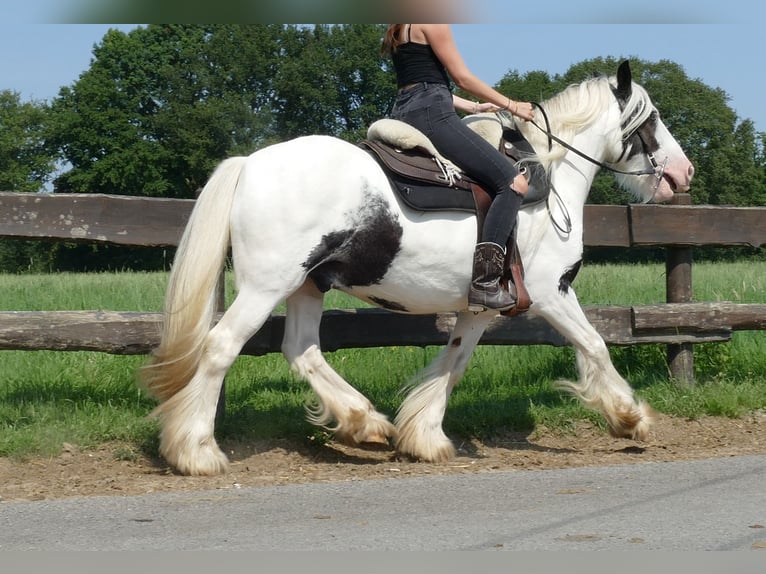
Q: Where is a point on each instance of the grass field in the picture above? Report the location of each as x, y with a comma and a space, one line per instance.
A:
50, 398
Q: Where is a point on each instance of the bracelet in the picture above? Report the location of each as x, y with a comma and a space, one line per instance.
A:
508, 107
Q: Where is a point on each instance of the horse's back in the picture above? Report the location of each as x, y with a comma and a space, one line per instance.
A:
299, 191
314, 151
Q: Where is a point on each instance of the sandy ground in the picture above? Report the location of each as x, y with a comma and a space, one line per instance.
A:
115, 469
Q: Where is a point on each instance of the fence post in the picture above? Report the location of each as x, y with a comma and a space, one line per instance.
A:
678, 287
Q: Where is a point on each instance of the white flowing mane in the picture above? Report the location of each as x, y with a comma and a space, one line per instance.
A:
577, 107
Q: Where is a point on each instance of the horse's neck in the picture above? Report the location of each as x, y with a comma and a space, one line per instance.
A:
571, 178
572, 175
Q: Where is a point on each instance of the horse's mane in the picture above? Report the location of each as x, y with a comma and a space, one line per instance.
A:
577, 107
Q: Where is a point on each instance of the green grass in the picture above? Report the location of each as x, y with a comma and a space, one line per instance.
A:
49, 398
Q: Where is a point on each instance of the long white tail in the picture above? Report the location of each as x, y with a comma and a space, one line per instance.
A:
190, 300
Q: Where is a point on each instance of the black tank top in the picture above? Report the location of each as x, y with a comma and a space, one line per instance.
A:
415, 62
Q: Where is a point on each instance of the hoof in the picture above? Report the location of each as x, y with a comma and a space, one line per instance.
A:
365, 428
439, 449
635, 424
205, 460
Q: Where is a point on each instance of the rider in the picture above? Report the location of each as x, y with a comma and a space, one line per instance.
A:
425, 58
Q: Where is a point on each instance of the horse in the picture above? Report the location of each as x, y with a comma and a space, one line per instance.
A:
316, 213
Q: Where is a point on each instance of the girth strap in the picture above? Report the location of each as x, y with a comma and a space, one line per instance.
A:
515, 266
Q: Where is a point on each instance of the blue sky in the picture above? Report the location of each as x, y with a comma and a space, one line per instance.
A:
36, 60
726, 56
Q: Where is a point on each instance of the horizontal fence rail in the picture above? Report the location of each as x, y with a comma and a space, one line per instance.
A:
159, 222
129, 333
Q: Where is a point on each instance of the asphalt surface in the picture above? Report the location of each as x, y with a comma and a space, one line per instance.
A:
717, 504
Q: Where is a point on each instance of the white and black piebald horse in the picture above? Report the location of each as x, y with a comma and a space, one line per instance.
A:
317, 212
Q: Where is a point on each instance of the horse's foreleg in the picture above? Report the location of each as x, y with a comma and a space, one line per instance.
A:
600, 386
340, 407
188, 417
420, 416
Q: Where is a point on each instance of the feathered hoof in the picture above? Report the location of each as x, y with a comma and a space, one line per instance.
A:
633, 424
365, 429
204, 460
437, 449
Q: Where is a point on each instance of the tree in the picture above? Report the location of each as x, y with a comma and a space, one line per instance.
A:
25, 166
162, 105
25, 163
331, 81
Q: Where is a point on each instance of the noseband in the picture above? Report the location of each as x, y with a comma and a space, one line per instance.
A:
658, 170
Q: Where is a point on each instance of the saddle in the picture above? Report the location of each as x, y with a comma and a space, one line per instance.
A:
426, 181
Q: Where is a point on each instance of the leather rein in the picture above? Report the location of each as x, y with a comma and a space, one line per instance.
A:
657, 169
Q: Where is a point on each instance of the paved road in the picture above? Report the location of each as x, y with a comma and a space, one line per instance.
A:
715, 504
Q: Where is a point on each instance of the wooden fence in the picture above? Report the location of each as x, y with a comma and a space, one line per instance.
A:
679, 323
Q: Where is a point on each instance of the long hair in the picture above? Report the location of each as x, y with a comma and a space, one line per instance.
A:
392, 39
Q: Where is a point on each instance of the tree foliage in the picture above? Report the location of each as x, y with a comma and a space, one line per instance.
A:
331, 81
162, 105
25, 163
159, 107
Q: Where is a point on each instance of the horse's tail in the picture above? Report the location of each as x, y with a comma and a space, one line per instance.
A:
190, 300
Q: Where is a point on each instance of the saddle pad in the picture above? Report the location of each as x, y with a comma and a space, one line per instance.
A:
431, 197
418, 180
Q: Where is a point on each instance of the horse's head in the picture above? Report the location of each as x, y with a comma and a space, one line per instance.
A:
647, 145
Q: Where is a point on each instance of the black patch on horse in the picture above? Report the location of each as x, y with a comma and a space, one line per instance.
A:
359, 255
389, 305
566, 280
644, 139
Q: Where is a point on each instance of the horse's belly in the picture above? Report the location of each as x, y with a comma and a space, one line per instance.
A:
432, 269
421, 285
416, 300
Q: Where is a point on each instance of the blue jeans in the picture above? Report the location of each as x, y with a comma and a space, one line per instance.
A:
429, 108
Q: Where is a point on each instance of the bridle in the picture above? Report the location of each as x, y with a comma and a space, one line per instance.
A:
657, 170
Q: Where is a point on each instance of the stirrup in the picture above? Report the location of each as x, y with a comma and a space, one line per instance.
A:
480, 306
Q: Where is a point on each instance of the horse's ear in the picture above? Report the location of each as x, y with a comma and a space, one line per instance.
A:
624, 80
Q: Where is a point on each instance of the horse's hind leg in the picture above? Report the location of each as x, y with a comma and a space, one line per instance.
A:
188, 417
600, 386
340, 408
420, 416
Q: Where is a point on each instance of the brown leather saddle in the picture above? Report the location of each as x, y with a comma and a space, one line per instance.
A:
420, 182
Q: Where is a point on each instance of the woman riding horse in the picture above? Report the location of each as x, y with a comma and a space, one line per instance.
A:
425, 57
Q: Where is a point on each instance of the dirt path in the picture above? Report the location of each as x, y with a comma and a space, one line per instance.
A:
106, 471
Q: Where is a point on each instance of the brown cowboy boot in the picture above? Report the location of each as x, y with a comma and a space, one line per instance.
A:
486, 291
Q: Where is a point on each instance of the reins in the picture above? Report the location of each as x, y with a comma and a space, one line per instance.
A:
657, 170
547, 132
